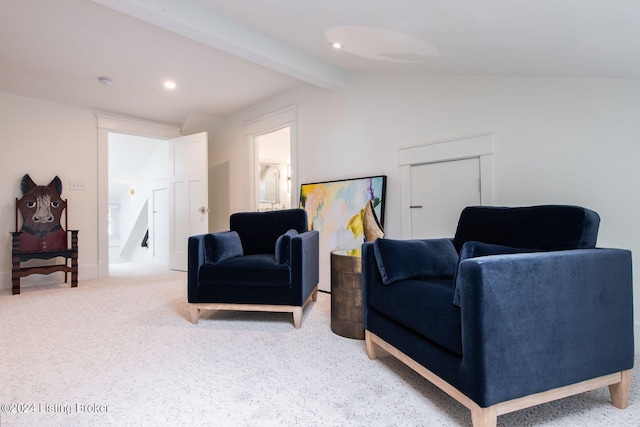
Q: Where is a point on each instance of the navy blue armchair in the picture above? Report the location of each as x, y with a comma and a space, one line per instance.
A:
518, 309
267, 261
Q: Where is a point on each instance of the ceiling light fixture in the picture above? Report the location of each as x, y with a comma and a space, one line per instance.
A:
169, 84
381, 44
105, 81
337, 45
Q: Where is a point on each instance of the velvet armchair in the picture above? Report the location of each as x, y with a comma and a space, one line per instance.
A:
518, 309
267, 261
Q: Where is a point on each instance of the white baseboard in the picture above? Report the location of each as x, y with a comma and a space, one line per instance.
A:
85, 272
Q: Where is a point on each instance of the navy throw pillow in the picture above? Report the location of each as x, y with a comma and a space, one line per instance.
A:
473, 249
411, 259
283, 247
223, 245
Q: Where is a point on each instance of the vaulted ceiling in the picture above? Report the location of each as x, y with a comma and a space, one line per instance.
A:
225, 55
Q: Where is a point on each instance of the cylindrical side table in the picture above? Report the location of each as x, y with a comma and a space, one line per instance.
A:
346, 293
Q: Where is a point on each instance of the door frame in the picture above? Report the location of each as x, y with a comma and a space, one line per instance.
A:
474, 146
121, 124
286, 117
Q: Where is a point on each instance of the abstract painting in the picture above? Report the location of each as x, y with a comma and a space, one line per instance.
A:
335, 209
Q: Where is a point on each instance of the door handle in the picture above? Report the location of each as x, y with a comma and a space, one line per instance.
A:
203, 210
415, 207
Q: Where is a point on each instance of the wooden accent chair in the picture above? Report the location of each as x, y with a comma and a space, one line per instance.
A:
42, 235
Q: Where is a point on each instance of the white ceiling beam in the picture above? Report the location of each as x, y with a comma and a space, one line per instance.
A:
197, 23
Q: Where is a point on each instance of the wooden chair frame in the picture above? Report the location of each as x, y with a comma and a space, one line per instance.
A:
70, 256
619, 384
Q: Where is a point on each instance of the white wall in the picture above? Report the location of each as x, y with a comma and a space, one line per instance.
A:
45, 139
574, 141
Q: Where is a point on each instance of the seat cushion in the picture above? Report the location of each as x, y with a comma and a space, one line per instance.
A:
424, 306
250, 279
411, 259
246, 270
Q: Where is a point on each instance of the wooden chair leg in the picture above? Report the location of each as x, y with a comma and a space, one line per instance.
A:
484, 417
15, 285
297, 317
74, 271
372, 348
314, 295
194, 313
620, 391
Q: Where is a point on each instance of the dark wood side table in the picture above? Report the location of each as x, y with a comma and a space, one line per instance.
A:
346, 293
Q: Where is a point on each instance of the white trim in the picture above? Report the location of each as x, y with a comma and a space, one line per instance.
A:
463, 147
272, 121
466, 147
200, 24
286, 117
123, 124
114, 123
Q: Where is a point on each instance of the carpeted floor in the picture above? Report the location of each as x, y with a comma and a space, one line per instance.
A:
121, 352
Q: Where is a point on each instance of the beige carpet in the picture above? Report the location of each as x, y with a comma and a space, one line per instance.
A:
121, 352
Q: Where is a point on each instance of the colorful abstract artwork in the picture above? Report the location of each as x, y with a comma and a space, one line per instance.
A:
335, 209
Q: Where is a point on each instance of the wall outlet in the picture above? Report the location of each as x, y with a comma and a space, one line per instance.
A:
77, 186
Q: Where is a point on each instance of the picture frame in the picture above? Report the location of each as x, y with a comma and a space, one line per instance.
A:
336, 208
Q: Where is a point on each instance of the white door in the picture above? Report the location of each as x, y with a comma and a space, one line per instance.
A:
160, 229
439, 192
188, 195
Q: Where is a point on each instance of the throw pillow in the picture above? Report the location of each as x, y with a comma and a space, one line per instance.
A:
283, 247
473, 249
410, 259
222, 245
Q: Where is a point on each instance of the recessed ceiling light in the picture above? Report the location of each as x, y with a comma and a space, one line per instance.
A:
381, 44
336, 45
170, 84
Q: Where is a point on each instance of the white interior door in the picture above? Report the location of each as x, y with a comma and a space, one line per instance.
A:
188, 195
160, 229
439, 192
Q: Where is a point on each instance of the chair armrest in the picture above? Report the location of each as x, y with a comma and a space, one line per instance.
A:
533, 322
196, 256
209, 248
305, 264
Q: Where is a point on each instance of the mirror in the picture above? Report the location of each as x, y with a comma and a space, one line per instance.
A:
269, 183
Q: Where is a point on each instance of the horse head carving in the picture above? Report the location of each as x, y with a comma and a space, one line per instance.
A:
41, 208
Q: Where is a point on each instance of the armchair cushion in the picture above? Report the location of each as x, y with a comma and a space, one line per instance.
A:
223, 245
259, 231
412, 259
259, 269
545, 227
475, 249
424, 306
283, 247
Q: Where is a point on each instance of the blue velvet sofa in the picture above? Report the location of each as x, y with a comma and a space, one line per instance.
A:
518, 309
267, 261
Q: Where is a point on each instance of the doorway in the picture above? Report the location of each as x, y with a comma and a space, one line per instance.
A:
138, 178
110, 123
471, 156
276, 125
274, 169
435, 208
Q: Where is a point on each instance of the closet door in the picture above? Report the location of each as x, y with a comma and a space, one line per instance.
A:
439, 192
